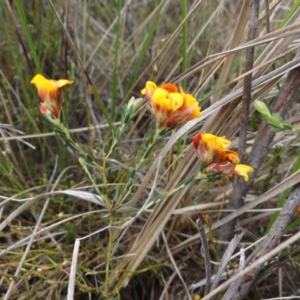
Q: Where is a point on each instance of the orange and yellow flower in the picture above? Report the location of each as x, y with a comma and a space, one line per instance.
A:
212, 150
170, 105
50, 93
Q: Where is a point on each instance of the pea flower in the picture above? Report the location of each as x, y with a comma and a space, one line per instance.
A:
212, 150
170, 105
50, 93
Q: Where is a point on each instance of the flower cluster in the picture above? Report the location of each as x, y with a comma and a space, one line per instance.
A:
212, 151
170, 105
50, 93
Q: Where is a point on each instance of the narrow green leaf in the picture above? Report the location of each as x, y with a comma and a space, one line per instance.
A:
115, 82
89, 158
28, 36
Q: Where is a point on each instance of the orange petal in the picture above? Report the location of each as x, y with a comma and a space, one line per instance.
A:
229, 156
171, 88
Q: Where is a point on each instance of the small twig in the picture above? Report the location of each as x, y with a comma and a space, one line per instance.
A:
249, 61
273, 192
72, 277
262, 142
226, 258
46, 134
267, 16
175, 266
237, 202
276, 264
249, 268
235, 284
206, 255
268, 29
271, 240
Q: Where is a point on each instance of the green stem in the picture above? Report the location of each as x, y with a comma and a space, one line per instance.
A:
108, 258
137, 167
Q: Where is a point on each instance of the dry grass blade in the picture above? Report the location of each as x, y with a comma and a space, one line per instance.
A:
30, 242
278, 189
274, 235
201, 30
71, 43
236, 39
72, 278
225, 259
141, 247
46, 134
266, 249
215, 122
176, 267
93, 198
276, 47
196, 208
36, 235
258, 262
234, 286
275, 35
206, 255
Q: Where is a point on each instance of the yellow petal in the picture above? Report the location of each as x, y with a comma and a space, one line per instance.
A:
63, 82
223, 141
46, 88
49, 85
191, 104
42, 83
149, 88
176, 101
215, 143
196, 112
160, 100
190, 100
37, 79
243, 170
